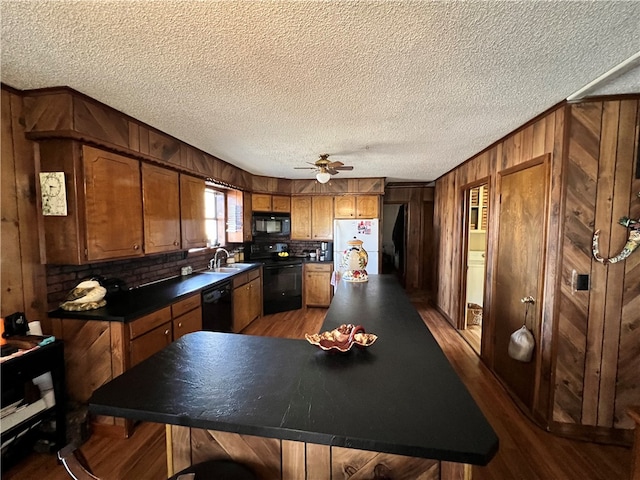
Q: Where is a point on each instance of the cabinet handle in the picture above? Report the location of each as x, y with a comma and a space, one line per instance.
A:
166, 332
180, 325
175, 244
136, 247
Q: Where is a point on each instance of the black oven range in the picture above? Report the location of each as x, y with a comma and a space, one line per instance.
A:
282, 278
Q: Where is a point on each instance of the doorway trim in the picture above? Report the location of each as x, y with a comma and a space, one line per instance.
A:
464, 232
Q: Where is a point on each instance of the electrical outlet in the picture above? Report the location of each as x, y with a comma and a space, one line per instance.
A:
186, 270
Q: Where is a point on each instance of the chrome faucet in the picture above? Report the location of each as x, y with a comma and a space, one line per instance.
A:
215, 261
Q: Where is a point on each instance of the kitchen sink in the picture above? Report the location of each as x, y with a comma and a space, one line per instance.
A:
227, 269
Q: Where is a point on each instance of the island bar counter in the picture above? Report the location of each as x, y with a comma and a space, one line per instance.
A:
292, 411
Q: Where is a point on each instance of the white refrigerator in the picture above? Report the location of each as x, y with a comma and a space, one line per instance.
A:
365, 230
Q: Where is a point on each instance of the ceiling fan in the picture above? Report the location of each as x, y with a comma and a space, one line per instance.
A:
324, 168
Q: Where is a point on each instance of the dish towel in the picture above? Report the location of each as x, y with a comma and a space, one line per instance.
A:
335, 279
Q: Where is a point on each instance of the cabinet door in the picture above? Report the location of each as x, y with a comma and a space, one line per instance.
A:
281, 203
235, 217
367, 206
261, 202
192, 212
255, 299
317, 285
301, 218
151, 342
113, 205
246, 214
161, 206
345, 206
322, 218
241, 307
187, 323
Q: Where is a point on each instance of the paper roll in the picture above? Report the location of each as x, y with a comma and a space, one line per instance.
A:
35, 328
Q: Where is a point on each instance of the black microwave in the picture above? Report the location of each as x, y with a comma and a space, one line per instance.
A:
271, 225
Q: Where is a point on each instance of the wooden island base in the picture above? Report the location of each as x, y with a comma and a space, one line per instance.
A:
272, 458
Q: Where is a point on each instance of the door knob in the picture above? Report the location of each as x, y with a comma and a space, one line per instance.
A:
530, 300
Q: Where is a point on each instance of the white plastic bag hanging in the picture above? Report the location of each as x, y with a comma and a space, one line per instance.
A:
521, 342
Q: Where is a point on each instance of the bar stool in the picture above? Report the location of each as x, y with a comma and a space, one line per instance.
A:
78, 468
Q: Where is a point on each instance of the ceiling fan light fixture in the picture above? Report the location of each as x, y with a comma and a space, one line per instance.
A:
323, 177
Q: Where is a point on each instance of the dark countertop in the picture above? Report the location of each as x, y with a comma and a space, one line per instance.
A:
131, 304
399, 395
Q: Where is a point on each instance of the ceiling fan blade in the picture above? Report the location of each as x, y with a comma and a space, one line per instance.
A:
304, 168
335, 164
332, 171
345, 167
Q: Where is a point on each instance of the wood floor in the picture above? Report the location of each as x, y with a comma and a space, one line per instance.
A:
526, 451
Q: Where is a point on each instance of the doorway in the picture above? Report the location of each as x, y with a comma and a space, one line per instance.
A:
394, 240
476, 207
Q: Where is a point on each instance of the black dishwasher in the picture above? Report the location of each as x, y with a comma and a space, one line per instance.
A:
217, 313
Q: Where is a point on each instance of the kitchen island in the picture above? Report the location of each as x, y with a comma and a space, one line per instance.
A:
288, 409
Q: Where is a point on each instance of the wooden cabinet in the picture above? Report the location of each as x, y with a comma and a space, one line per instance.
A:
357, 206
301, 218
186, 316
280, 203
113, 205
367, 206
161, 209
261, 202
98, 351
322, 218
344, 206
148, 335
247, 299
311, 218
246, 213
104, 205
318, 290
235, 216
117, 207
192, 212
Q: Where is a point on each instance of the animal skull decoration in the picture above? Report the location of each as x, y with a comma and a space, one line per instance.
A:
632, 243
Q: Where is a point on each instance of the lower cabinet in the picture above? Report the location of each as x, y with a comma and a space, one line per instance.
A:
318, 291
247, 299
186, 316
98, 351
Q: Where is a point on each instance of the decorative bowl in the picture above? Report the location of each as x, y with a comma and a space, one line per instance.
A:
342, 338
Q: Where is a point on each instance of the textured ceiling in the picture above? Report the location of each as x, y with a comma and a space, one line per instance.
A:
405, 89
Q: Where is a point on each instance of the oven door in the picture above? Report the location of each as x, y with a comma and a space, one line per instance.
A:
282, 288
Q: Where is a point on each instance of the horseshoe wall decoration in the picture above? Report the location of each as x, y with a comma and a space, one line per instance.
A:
632, 243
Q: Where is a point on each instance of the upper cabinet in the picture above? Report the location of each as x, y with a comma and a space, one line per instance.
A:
356, 206
322, 218
192, 212
117, 207
301, 218
262, 202
280, 203
238, 216
161, 208
113, 205
104, 205
311, 218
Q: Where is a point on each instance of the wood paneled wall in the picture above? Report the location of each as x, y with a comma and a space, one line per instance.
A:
24, 287
590, 340
66, 113
598, 343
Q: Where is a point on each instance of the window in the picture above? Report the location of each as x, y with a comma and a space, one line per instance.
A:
214, 215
